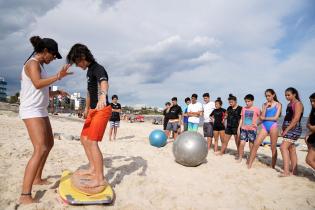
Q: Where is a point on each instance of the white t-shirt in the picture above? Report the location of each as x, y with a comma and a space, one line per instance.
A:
207, 110
196, 107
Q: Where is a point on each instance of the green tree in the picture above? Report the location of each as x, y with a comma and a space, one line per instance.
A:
14, 99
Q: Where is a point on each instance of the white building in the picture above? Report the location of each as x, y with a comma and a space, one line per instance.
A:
54, 88
79, 102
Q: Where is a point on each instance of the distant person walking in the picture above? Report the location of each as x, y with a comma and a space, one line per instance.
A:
115, 118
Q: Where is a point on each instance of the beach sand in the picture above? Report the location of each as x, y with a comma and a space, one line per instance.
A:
145, 177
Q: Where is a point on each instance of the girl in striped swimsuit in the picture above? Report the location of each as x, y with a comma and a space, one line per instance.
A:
291, 131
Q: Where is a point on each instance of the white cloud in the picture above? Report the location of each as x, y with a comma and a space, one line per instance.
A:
154, 50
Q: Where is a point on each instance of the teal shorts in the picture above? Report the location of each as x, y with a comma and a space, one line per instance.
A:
193, 126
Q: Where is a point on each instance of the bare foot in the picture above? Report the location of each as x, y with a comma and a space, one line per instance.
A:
41, 182
93, 183
27, 199
284, 174
239, 160
219, 153
84, 172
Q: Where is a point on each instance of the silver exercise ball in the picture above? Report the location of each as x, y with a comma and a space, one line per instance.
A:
190, 149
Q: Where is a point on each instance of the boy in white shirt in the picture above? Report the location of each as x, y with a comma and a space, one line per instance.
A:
208, 107
194, 112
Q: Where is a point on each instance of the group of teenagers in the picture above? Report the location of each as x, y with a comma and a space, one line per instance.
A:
34, 99
243, 124
35, 94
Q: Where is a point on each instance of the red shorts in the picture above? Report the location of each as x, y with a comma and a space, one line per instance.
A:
95, 123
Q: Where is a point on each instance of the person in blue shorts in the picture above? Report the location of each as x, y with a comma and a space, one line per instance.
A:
194, 112
185, 115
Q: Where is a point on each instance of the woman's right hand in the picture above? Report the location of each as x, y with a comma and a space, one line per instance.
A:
64, 71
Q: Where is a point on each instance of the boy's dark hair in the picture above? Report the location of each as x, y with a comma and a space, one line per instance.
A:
219, 101
293, 91
249, 97
114, 97
194, 95
312, 97
79, 52
187, 99
206, 95
167, 104
231, 97
174, 99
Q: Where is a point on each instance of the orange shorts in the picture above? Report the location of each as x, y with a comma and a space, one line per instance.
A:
95, 123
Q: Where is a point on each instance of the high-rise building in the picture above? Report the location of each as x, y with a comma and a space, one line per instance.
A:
79, 102
3, 89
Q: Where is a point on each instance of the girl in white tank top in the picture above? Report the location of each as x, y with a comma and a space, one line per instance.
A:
33, 109
34, 102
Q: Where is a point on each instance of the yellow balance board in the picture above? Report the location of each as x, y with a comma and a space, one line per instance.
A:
74, 197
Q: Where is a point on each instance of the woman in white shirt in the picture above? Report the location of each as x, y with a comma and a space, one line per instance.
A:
34, 99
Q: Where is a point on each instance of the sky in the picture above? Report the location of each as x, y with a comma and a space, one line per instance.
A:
154, 50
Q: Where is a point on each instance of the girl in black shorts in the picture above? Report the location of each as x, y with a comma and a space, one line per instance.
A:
233, 116
310, 137
218, 116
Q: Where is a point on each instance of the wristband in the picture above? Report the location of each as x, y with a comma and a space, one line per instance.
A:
103, 93
58, 76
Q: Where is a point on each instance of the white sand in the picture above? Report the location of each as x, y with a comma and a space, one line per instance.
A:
145, 177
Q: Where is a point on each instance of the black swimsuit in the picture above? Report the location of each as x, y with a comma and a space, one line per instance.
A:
218, 115
166, 118
232, 120
295, 133
311, 138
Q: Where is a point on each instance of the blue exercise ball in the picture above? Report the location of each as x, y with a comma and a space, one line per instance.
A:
157, 138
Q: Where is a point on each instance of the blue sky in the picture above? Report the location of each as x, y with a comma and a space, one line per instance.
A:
154, 50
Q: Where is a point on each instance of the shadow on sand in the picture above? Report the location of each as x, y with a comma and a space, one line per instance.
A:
266, 160
115, 175
126, 137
